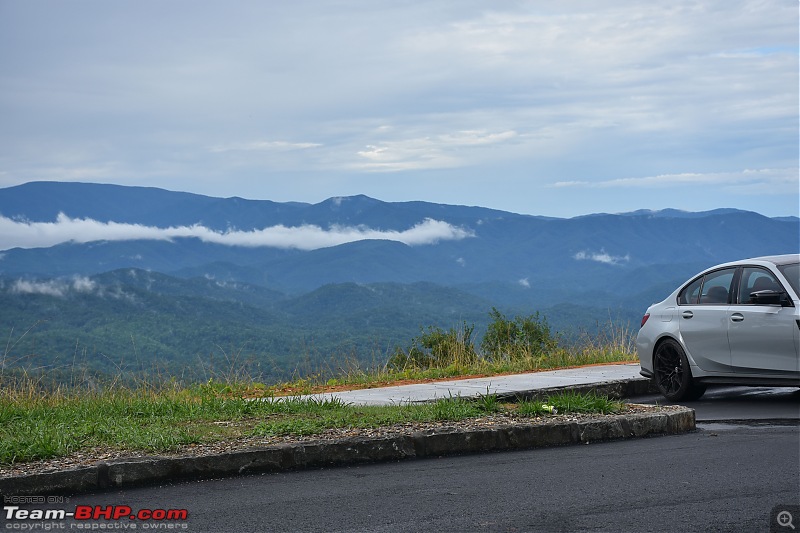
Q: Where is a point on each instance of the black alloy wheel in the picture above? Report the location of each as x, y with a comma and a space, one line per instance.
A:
672, 374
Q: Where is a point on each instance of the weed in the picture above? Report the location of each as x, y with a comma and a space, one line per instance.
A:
488, 403
454, 408
573, 402
535, 408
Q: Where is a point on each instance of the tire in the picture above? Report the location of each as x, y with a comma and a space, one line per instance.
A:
672, 374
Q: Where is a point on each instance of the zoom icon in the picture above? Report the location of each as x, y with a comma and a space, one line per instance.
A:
784, 518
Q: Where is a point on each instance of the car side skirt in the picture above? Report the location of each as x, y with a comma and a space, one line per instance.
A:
750, 381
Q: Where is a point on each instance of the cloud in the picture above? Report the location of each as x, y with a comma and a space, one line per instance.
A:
61, 288
440, 151
525, 283
81, 284
58, 288
23, 234
601, 257
767, 181
263, 146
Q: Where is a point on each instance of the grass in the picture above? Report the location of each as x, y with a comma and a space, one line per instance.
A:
570, 402
33, 428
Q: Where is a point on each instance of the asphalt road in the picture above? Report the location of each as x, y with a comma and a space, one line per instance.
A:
740, 404
727, 476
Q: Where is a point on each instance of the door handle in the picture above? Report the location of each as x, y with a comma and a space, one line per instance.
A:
687, 314
737, 317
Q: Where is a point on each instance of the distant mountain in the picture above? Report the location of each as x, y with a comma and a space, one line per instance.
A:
43, 201
677, 213
526, 260
409, 264
578, 253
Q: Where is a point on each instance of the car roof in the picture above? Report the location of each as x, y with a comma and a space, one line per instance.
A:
786, 259
777, 259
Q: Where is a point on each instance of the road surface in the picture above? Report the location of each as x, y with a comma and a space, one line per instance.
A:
727, 476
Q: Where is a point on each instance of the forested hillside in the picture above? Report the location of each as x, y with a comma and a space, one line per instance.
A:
108, 277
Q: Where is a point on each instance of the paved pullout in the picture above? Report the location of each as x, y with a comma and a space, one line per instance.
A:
619, 380
356, 450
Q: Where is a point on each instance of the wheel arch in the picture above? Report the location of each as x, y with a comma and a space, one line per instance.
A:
685, 386
677, 338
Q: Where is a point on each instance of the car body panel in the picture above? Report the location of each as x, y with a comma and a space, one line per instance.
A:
730, 342
704, 336
762, 339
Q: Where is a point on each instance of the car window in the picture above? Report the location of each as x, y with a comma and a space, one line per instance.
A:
792, 273
756, 279
717, 286
711, 289
691, 294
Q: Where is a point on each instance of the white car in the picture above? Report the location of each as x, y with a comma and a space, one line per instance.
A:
735, 323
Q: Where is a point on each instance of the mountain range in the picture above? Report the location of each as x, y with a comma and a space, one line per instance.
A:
351, 272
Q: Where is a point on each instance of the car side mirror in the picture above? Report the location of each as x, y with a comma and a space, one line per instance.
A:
769, 297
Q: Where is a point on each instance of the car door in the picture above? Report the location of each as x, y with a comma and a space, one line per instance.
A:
703, 320
761, 337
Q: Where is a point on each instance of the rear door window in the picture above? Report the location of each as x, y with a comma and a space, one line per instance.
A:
713, 288
691, 294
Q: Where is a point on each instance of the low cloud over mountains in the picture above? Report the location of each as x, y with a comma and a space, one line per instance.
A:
22, 234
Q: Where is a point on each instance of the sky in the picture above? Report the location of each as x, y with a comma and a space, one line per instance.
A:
544, 108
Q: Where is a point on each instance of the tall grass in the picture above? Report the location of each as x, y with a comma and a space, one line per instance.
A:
522, 344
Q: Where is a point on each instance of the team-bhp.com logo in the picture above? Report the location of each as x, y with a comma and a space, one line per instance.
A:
87, 517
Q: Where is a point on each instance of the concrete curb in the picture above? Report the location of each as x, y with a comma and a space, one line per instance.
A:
616, 389
349, 451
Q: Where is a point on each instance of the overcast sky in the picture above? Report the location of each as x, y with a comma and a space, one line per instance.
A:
542, 107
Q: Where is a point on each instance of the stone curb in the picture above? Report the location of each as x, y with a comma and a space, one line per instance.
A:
348, 451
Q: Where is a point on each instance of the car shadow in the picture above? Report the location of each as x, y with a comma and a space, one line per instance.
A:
739, 403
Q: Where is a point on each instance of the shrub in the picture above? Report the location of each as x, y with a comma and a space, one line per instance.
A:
436, 348
511, 340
